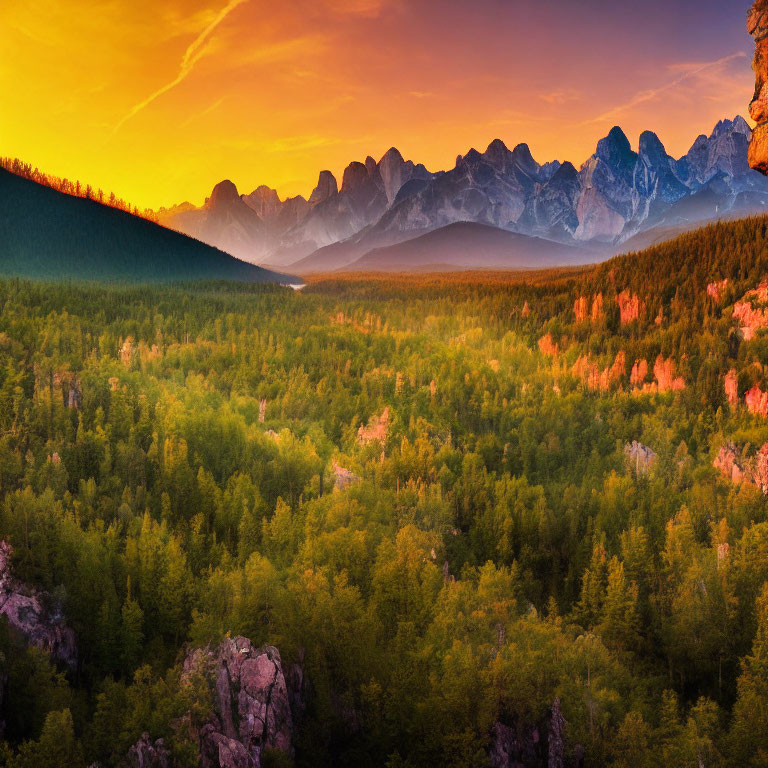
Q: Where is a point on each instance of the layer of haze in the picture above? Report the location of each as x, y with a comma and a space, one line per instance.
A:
159, 100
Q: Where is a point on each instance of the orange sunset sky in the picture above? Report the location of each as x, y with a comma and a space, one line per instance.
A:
157, 101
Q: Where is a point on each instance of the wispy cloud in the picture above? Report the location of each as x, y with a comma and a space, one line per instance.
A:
689, 72
192, 55
207, 111
561, 96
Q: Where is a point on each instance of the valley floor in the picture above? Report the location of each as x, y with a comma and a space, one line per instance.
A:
465, 520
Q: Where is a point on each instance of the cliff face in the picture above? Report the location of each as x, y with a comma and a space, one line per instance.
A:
252, 711
757, 25
27, 612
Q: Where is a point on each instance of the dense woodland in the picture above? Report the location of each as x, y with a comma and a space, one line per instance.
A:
492, 547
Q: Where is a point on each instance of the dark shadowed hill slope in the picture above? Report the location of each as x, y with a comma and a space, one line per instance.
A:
47, 234
468, 245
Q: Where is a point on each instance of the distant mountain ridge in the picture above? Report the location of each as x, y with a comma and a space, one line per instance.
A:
47, 234
615, 195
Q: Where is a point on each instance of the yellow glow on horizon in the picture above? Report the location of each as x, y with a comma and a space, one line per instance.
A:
159, 101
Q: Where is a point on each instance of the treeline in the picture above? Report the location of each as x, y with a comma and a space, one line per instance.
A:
74, 188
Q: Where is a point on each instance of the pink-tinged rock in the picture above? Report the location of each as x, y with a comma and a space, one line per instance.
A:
728, 463
127, 351
752, 318
147, 754
757, 25
664, 371
760, 471
597, 308
715, 290
583, 310
580, 309
251, 705
594, 378
343, 477
376, 431
547, 346
639, 373
26, 611
219, 751
630, 307
732, 388
757, 401
737, 468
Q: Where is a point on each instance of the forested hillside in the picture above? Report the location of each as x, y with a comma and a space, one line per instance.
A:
483, 517
48, 234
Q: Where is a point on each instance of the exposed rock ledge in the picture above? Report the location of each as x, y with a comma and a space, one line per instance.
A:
543, 746
757, 25
27, 611
251, 707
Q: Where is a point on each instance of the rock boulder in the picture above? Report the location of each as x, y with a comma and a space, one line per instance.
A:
28, 611
251, 707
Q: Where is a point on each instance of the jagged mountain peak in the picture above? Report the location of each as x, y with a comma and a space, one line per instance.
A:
393, 154
473, 156
522, 157
355, 175
615, 148
327, 187
616, 194
566, 172
223, 193
651, 145
737, 125
265, 193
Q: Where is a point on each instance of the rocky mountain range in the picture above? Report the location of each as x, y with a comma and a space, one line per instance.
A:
617, 197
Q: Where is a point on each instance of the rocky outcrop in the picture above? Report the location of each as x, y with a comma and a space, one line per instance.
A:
29, 612
751, 312
586, 311
640, 458
664, 373
543, 745
639, 373
547, 346
735, 465
580, 309
756, 401
343, 477
148, 754
376, 430
731, 385
716, 290
597, 380
757, 26
251, 707
630, 307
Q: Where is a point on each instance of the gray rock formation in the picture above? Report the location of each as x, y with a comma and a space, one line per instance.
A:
148, 754
251, 707
616, 195
534, 746
28, 611
326, 189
